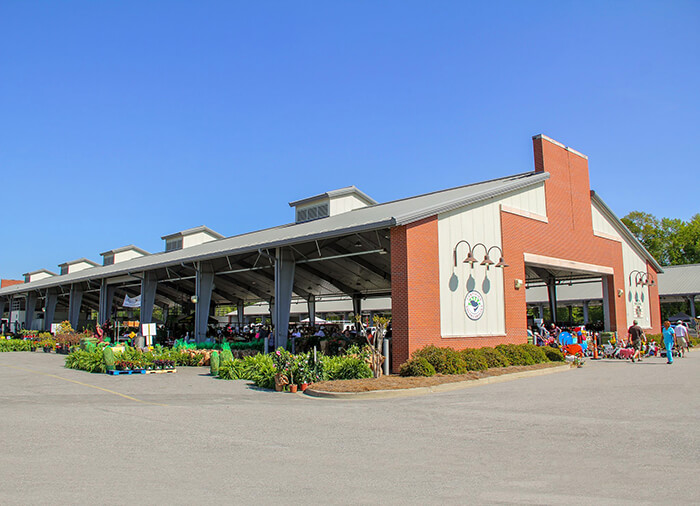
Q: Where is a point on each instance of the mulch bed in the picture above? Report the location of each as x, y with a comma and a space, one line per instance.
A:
395, 382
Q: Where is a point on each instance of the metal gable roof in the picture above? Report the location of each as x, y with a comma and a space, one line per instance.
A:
680, 280
622, 228
399, 212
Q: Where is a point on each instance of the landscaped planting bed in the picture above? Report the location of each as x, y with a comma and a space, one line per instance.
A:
283, 371
394, 382
432, 366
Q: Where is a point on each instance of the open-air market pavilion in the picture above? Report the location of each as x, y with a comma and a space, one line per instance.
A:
681, 283
456, 263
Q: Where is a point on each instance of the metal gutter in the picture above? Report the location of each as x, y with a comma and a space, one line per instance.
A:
636, 245
518, 184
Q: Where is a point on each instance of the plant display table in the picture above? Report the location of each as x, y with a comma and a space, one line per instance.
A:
141, 371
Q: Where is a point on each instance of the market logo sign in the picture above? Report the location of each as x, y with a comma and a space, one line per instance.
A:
474, 305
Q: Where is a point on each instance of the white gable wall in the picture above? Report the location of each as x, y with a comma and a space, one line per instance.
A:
480, 223
79, 266
345, 203
38, 276
636, 297
197, 238
123, 256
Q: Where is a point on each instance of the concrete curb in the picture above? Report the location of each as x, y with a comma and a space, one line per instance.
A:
444, 387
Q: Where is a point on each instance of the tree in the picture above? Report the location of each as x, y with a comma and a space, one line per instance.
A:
375, 342
671, 241
647, 229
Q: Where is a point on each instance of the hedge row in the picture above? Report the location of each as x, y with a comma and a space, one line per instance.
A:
17, 345
433, 360
260, 369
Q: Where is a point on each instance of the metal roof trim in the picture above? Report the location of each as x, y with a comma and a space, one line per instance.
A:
530, 180
347, 190
127, 267
130, 247
80, 260
194, 230
39, 272
622, 228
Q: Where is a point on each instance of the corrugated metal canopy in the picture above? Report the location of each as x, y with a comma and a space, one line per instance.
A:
365, 219
680, 280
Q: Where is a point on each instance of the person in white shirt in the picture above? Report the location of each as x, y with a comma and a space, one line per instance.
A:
682, 338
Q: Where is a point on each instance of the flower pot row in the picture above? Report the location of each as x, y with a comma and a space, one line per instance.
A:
292, 388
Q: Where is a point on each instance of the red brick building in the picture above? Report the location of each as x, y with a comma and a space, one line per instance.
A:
555, 229
456, 263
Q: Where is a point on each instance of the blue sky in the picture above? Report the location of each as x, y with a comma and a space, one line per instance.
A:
123, 121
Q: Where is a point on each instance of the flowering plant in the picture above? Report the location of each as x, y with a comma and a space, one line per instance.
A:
124, 365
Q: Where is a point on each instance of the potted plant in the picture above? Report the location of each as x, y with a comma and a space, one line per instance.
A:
281, 360
47, 344
302, 373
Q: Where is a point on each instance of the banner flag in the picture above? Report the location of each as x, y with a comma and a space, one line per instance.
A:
132, 302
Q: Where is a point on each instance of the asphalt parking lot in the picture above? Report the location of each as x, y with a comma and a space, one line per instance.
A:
611, 432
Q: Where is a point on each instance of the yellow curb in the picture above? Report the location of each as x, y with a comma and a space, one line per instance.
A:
444, 387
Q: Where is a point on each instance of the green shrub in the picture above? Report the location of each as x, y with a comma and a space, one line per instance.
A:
226, 355
553, 354
353, 368
17, 345
260, 370
538, 355
214, 363
232, 370
418, 366
343, 367
494, 357
515, 354
474, 360
86, 360
108, 355
443, 360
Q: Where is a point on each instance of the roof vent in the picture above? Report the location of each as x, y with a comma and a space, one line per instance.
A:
76, 265
114, 256
190, 237
330, 204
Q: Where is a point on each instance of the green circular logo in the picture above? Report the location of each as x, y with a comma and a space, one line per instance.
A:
474, 305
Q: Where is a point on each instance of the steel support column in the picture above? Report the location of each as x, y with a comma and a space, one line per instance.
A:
75, 301
607, 300
30, 309
50, 305
149, 284
691, 302
240, 311
585, 312
204, 284
552, 296
2, 312
357, 309
311, 302
284, 284
106, 302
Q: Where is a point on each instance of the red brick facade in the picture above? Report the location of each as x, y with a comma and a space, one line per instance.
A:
568, 235
415, 291
10, 282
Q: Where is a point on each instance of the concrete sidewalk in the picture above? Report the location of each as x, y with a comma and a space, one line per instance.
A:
611, 432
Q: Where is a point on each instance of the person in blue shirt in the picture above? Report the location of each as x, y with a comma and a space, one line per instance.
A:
669, 337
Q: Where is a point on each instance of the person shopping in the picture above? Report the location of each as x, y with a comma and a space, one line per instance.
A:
682, 338
635, 335
669, 338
